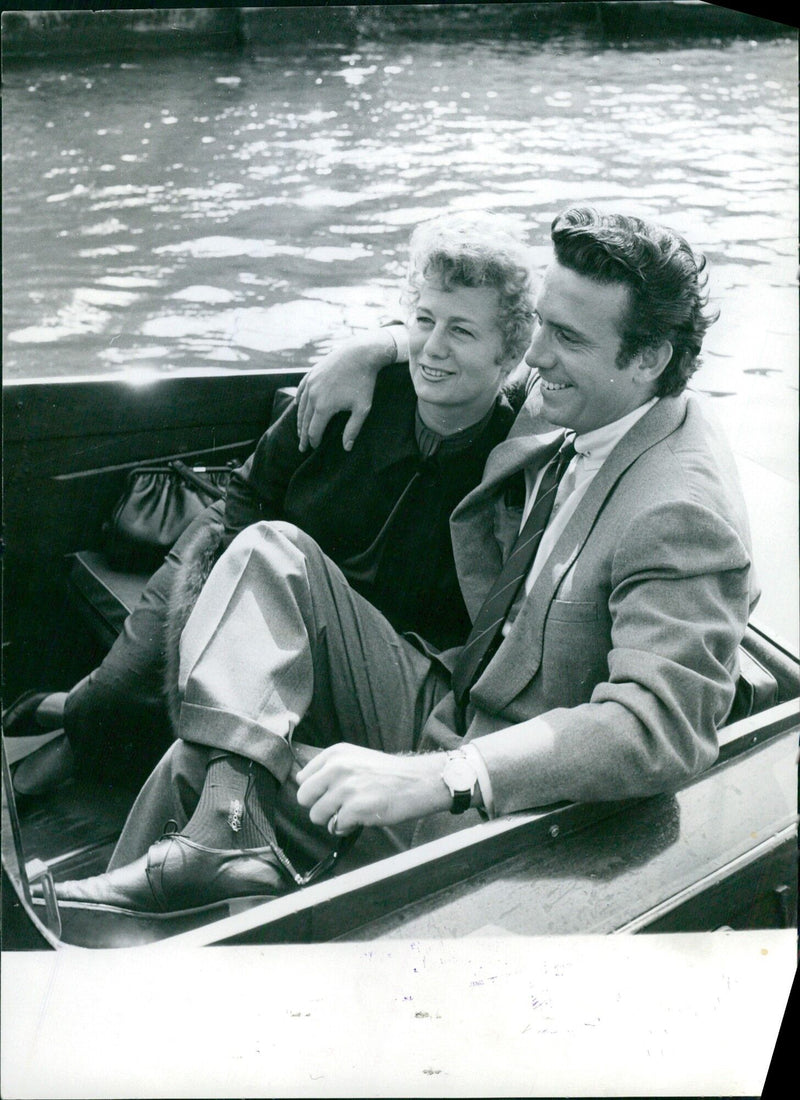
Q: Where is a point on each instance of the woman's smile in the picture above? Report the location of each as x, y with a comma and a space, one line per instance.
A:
434, 374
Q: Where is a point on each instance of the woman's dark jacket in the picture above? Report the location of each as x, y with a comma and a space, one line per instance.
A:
380, 511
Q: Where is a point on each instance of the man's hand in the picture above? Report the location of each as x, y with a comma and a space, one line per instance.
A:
343, 381
366, 787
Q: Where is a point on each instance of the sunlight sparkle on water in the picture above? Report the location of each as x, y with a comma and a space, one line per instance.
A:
209, 295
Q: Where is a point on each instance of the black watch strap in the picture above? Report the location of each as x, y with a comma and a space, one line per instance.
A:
461, 801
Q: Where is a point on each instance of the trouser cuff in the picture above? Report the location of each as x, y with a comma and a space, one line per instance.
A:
231, 733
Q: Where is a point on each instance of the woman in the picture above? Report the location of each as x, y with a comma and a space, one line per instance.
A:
377, 510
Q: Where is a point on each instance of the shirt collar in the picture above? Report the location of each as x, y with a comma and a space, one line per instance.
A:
431, 442
597, 445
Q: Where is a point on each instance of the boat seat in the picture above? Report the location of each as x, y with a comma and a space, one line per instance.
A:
757, 688
104, 597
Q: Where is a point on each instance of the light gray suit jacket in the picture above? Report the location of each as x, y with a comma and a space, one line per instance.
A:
627, 643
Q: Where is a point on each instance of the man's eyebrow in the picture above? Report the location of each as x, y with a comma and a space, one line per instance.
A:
564, 327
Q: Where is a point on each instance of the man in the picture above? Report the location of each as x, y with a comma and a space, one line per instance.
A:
607, 609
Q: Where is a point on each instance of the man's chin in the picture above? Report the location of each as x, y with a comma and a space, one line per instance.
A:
555, 410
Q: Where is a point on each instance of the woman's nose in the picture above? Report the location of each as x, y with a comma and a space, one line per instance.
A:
436, 344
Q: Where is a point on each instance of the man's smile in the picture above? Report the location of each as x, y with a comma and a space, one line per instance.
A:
551, 386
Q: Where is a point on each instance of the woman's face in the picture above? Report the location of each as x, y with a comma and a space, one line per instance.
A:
455, 354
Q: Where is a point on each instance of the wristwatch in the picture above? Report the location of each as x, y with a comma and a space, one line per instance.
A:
459, 776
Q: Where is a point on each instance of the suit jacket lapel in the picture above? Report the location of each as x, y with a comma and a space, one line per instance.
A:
477, 551
520, 656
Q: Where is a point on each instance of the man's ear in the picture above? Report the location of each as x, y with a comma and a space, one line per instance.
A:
652, 361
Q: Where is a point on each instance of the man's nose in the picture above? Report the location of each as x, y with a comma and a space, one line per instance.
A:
540, 353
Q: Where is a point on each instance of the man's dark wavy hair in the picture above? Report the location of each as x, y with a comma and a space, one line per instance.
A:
667, 281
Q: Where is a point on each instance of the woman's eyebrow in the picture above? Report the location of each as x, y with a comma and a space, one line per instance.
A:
452, 318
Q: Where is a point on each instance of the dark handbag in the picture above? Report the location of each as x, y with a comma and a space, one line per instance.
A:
157, 506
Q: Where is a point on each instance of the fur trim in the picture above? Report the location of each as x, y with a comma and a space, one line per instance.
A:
199, 547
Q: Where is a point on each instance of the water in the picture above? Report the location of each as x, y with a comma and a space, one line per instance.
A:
238, 210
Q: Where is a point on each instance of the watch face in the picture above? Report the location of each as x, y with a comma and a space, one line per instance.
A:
458, 775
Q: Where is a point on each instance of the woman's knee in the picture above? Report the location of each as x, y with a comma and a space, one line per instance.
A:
118, 698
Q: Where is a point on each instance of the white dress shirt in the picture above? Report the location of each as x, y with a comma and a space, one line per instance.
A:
591, 451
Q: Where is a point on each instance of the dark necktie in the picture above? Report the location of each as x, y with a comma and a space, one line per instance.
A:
485, 635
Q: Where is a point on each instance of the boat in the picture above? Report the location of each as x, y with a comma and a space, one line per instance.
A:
719, 853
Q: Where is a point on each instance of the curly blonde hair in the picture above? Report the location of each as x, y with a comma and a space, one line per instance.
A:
477, 250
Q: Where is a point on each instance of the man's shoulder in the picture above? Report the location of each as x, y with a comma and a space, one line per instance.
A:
687, 427
692, 462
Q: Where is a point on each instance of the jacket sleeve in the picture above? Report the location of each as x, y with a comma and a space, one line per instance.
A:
257, 490
679, 603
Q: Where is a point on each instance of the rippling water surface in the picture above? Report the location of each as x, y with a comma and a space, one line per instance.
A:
232, 210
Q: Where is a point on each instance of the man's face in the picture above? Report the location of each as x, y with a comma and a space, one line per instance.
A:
575, 347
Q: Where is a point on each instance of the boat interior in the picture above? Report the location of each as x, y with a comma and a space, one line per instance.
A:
69, 445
